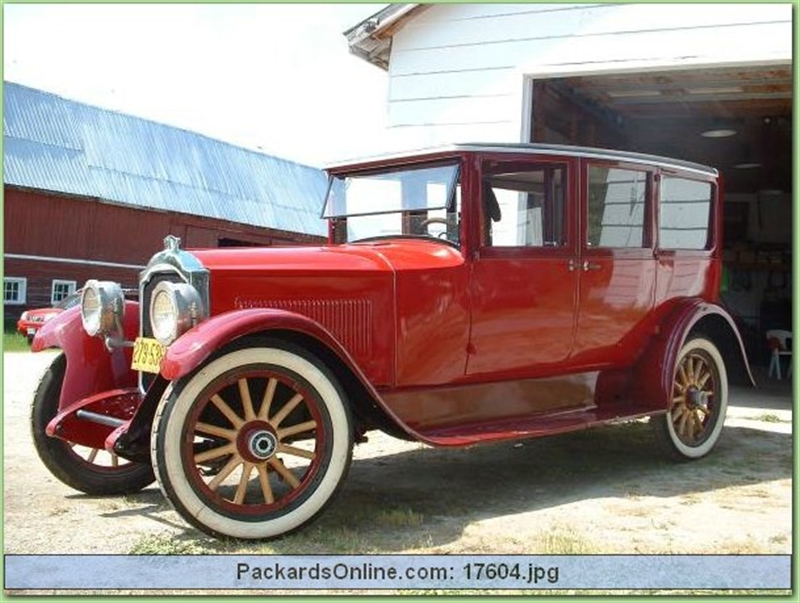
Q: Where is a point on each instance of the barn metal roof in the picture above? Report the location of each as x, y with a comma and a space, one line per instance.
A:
58, 145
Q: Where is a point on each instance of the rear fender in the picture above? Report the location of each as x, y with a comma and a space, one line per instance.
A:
653, 378
91, 367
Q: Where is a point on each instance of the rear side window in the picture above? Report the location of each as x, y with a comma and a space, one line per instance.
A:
684, 213
617, 208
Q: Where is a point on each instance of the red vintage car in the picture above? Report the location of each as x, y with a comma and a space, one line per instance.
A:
32, 320
467, 294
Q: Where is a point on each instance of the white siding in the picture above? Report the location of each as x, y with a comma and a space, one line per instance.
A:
456, 70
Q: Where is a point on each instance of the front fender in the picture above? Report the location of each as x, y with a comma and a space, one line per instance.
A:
195, 346
655, 371
91, 367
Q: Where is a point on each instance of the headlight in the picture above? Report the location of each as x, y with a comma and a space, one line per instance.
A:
174, 309
102, 308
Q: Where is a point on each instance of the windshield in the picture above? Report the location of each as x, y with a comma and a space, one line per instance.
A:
420, 201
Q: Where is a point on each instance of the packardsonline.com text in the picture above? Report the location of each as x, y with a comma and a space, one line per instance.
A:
387, 575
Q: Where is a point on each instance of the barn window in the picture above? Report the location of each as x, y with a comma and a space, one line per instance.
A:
14, 290
60, 290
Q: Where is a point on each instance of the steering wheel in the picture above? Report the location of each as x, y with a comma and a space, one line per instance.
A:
428, 221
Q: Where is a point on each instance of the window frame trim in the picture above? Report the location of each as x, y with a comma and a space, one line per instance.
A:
647, 250
491, 165
72, 284
23, 290
714, 224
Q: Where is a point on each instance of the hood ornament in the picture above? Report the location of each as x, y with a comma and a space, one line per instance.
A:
172, 243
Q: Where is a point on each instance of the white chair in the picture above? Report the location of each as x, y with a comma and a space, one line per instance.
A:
777, 340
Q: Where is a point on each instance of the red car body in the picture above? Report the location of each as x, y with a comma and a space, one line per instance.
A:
449, 338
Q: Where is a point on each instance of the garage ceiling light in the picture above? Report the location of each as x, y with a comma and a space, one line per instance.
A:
720, 133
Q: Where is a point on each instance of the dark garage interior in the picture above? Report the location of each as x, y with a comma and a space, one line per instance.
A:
738, 120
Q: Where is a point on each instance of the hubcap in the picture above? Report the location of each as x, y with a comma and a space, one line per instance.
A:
696, 399
262, 444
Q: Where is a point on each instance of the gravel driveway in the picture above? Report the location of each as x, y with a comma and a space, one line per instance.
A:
600, 491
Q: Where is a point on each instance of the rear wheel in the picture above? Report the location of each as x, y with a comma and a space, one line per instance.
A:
90, 470
254, 444
693, 424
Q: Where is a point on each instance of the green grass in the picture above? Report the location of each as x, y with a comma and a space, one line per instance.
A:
13, 341
399, 518
165, 543
770, 418
563, 541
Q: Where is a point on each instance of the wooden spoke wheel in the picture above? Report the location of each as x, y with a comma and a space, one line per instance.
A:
693, 424
89, 470
254, 444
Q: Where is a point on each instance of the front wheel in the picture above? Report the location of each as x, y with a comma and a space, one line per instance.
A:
693, 424
90, 470
254, 444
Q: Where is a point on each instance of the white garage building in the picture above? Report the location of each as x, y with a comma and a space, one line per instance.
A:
710, 83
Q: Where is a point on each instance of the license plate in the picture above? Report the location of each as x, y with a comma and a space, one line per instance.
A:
147, 355
30, 331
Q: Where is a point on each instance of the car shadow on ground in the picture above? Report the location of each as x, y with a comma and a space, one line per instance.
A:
427, 497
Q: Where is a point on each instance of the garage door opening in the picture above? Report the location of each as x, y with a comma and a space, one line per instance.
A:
736, 119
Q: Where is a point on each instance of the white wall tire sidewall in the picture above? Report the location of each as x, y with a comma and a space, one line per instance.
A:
721, 400
170, 469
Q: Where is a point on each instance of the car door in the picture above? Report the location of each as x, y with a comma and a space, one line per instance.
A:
617, 267
524, 282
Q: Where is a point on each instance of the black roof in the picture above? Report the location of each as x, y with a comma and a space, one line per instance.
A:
541, 149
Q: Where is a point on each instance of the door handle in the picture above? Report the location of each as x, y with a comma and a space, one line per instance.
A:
586, 266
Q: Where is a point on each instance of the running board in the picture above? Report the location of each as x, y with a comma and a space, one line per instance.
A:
528, 427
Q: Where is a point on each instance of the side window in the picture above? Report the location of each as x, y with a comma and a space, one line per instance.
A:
684, 213
60, 290
526, 208
617, 207
14, 290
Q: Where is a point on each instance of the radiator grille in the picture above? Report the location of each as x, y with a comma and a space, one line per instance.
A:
349, 320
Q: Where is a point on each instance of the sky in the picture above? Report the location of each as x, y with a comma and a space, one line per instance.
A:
278, 78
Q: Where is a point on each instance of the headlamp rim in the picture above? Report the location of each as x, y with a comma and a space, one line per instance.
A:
187, 308
107, 319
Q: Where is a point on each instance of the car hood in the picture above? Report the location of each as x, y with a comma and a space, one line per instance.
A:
377, 256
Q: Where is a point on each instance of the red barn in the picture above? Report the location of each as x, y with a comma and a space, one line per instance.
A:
92, 193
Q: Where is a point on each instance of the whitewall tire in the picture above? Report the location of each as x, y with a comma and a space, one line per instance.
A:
693, 424
254, 444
